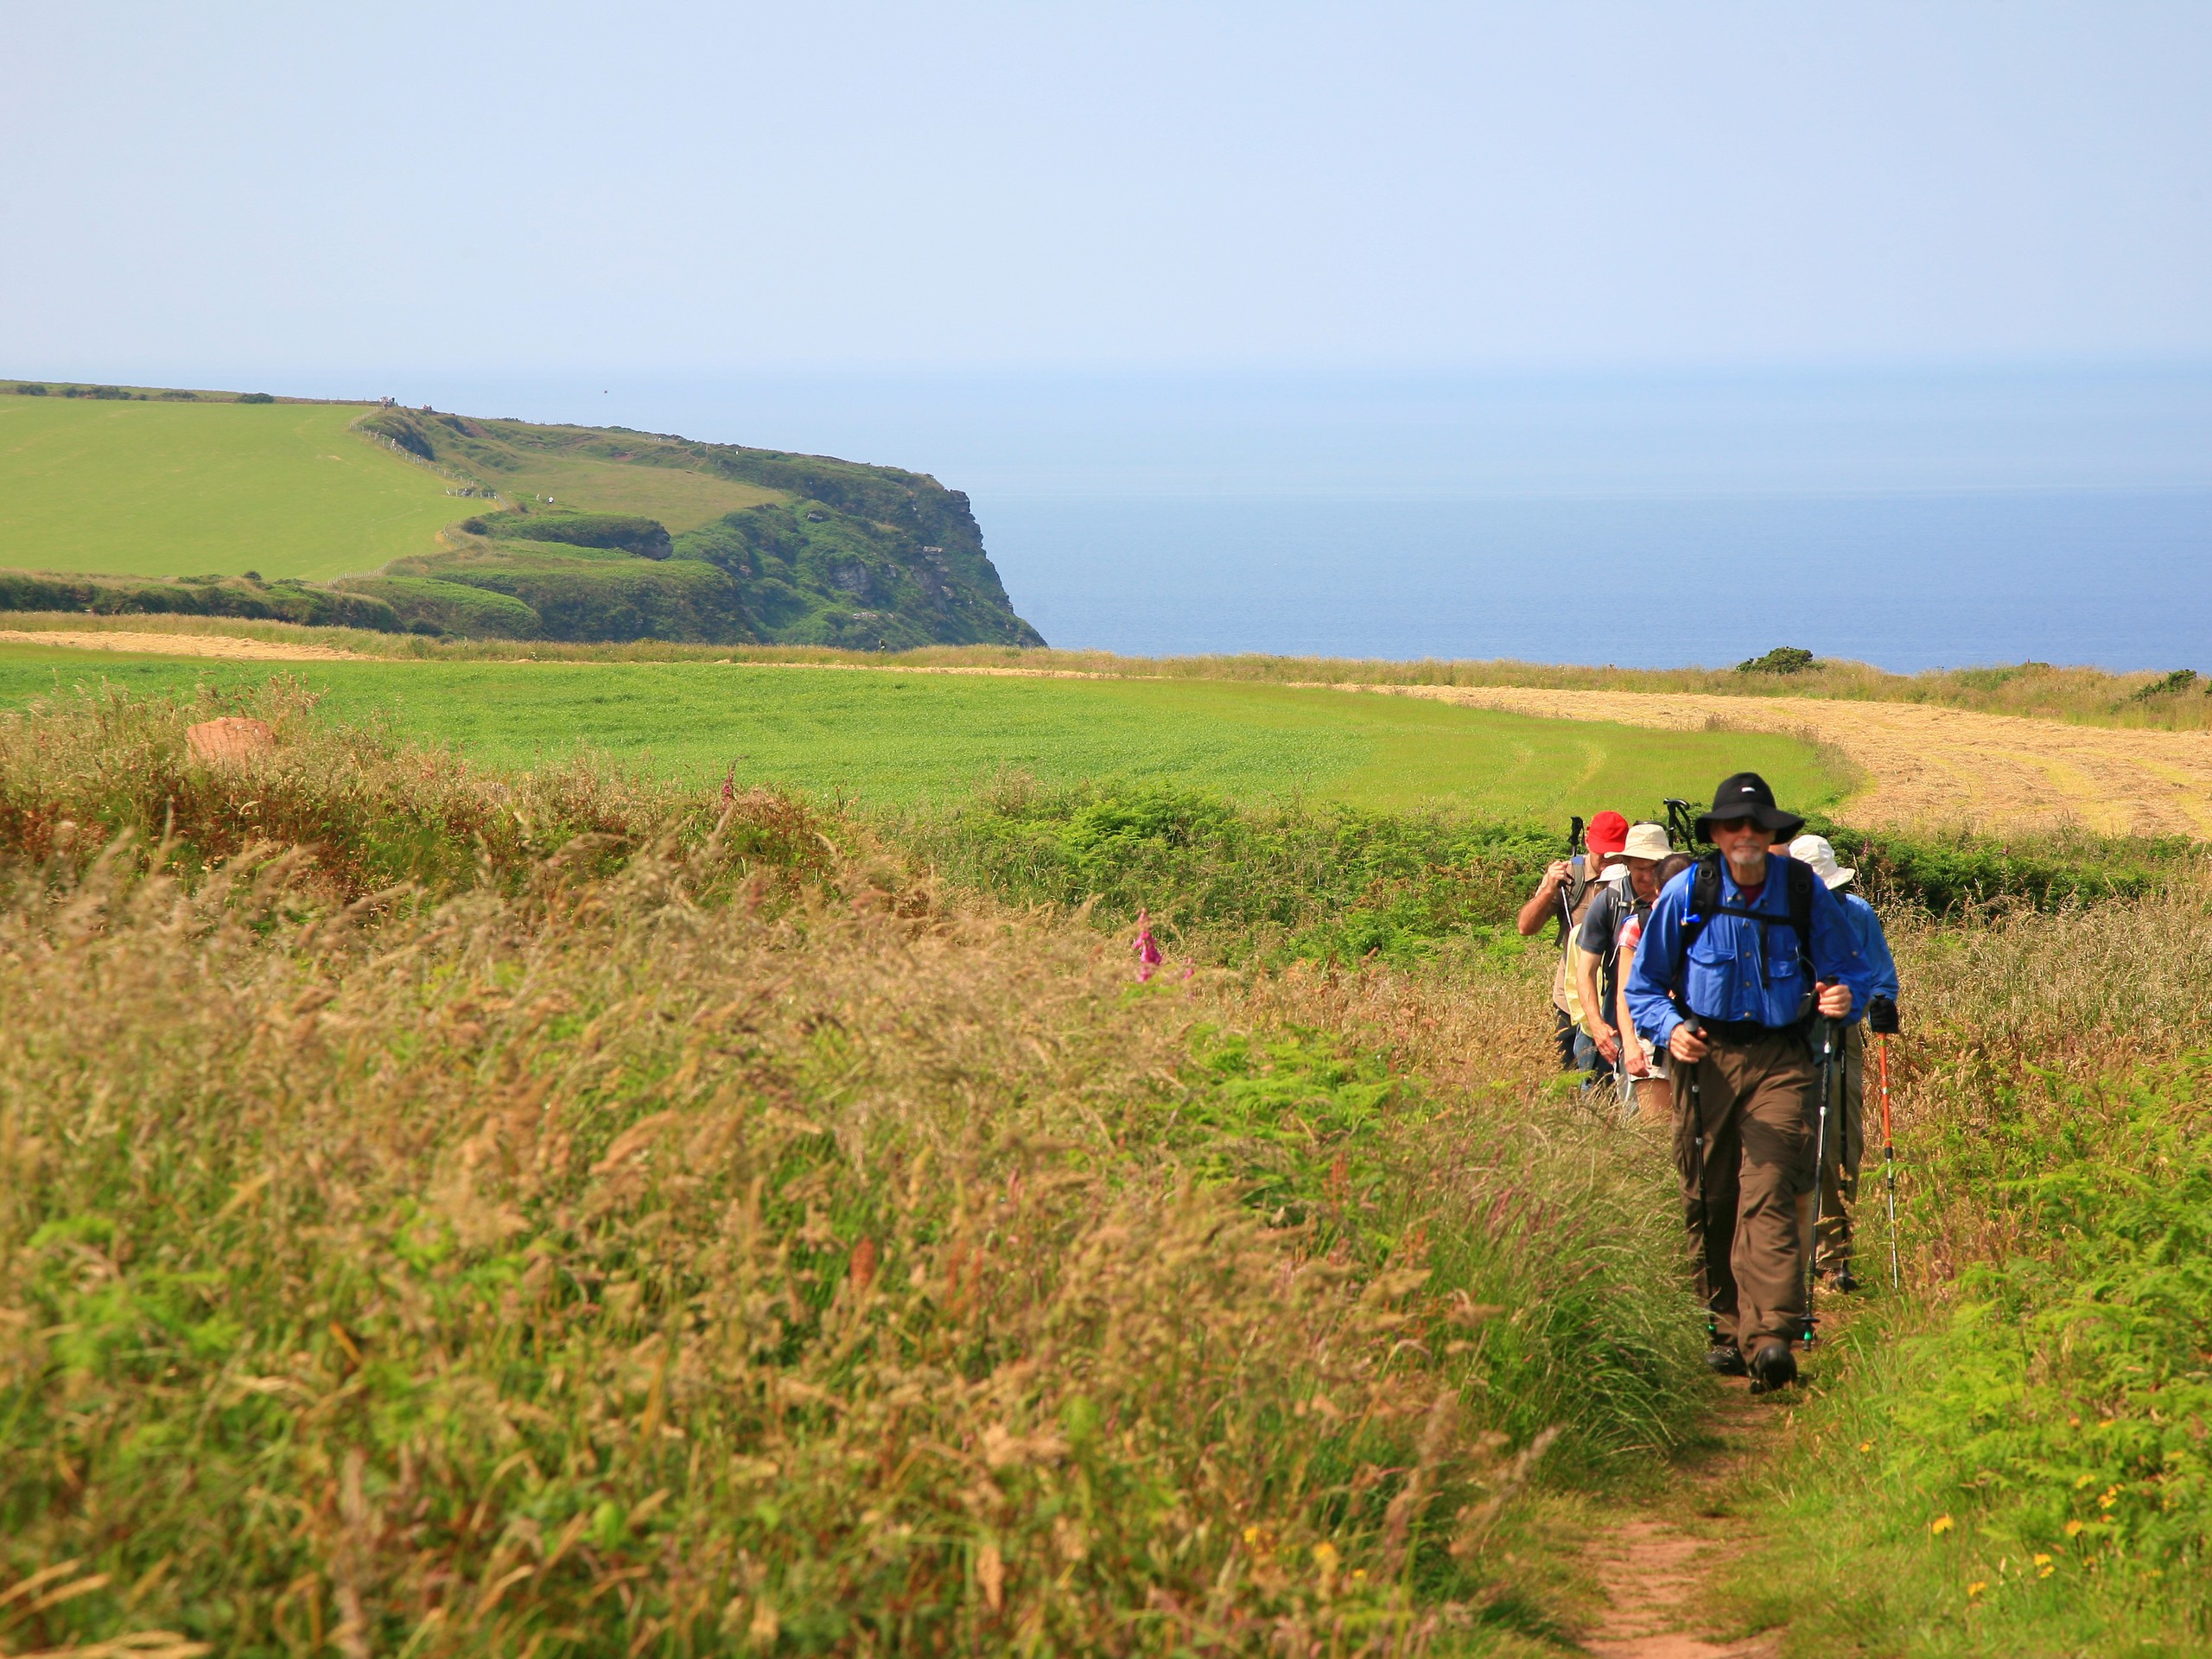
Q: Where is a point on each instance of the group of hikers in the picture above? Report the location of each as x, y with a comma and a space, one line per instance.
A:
1730, 996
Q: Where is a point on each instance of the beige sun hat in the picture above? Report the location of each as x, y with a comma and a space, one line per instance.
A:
1816, 851
1647, 841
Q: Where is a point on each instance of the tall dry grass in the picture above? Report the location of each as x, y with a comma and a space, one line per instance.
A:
2028, 1034
700, 1232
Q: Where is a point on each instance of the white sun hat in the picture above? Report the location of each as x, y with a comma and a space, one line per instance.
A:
1647, 841
1816, 851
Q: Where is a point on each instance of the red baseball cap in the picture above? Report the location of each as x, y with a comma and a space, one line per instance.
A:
1608, 835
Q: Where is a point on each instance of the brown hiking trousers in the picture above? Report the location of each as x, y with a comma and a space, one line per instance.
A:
1746, 1236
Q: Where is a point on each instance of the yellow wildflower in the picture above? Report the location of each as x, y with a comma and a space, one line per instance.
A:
1940, 1525
1865, 1445
2074, 1528
1977, 1586
1325, 1566
2082, 1481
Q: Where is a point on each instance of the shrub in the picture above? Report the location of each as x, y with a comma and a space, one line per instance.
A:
1783, 659
1329, 883
647, 538
2166, 685
1949, 873
30, 389
427, 603
256, 397
213, 595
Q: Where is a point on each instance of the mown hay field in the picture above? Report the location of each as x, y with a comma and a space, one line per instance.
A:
203, 489
1930, 765
900, 739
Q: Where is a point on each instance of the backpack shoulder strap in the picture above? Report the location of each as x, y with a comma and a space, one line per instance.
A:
1704, 898
1800, 877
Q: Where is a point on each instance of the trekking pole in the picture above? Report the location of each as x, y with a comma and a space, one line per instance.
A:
1573, 851
1890, 1166
1696, 1028
1819, 1170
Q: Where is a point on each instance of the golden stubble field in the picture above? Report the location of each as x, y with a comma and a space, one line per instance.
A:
1930, 765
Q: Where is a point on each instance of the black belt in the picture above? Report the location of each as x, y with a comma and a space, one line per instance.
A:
1750, 1030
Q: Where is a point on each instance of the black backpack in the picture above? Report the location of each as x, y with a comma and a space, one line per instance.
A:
1705, 904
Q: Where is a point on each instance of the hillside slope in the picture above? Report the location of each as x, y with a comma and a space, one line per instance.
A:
815, 551
578, 533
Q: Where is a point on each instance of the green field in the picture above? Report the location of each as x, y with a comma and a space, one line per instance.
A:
888, 738
193, 489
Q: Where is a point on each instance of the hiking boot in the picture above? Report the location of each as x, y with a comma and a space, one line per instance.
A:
1726, 1359
1773, 1367
1840, 1281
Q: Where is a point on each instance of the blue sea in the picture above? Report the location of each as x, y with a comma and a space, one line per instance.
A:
1908, 518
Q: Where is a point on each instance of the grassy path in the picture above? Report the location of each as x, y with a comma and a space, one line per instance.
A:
214, 647
1660, 1565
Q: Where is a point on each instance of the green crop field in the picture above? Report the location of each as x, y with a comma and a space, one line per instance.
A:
193, 489
890, 737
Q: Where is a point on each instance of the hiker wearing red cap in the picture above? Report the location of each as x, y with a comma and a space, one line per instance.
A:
1596, 961
1739, 955
1564, 897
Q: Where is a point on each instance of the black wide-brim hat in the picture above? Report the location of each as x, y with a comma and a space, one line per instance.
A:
1746, 795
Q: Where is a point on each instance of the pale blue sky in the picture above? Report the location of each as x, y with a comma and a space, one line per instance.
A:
238, 193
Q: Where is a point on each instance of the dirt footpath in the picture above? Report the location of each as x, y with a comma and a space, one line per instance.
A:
1930, 765
1658, 1567
180, 644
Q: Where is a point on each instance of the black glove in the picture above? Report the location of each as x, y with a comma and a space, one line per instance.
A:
1881, 1016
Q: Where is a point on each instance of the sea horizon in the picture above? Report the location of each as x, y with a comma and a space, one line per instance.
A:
1910, 517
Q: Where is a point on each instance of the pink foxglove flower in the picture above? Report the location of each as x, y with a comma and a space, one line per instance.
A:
1147, 947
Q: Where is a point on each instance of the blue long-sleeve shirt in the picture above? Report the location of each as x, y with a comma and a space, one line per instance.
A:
1739, 968
1881, 966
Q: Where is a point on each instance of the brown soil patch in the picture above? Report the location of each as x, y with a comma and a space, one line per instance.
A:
1930, 765
1654, 1565
182, 645
232, 738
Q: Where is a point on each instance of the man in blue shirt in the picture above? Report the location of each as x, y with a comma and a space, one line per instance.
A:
1739, 956
1840, 1181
